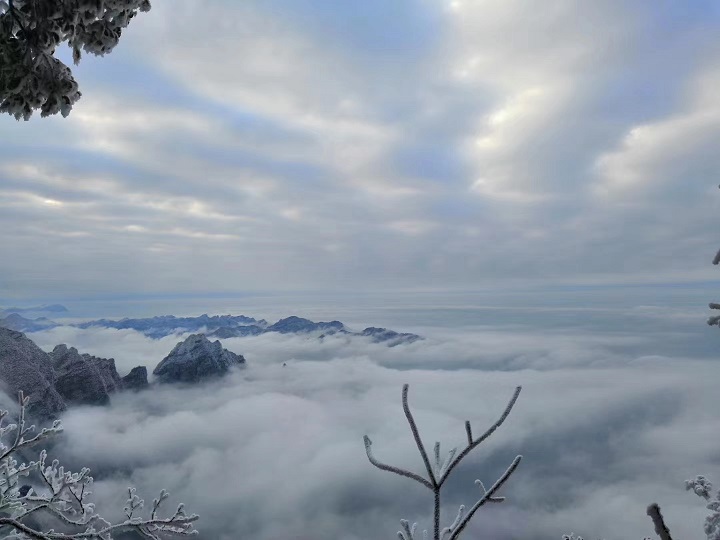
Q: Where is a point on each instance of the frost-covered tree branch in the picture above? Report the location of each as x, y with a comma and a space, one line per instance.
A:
715, 320
438, 472
31, 78
63, 495
702, 487
661, 529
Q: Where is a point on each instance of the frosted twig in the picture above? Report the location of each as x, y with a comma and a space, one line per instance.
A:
472, 445
702, 487
391, 468
488, 496
64, 495
444, 534
416, 434
660, 528
442, 470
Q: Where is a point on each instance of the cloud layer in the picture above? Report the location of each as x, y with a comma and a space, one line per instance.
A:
299, 145
276, 452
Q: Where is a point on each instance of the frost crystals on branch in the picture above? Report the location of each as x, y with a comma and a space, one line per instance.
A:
439, 471
715, 319
702, 487
31, 77
63, 496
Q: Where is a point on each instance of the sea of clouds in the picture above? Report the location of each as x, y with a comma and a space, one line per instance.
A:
276, 452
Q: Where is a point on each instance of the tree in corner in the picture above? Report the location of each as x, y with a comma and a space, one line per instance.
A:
31, 78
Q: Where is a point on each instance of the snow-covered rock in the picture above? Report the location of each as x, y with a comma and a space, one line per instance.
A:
137, 379
195, 359
24, 366
82, 378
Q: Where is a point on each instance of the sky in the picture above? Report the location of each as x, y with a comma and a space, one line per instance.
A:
531, 186
414, 145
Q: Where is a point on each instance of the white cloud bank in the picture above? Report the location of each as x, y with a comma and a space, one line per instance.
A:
276, 452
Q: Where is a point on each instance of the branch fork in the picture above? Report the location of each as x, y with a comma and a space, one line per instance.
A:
439, 471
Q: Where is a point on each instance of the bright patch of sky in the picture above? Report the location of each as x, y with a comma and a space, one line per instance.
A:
303, 145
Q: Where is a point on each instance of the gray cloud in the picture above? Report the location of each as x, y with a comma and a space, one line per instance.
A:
422, 149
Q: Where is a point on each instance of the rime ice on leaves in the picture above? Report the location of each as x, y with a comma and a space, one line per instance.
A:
31, 78
63, 495
702, 487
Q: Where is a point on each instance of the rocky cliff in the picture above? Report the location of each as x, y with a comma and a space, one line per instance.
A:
63, 377
84, 379
195, 359
137, 379
24, 366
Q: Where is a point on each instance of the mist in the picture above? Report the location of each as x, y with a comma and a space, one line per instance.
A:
276, 451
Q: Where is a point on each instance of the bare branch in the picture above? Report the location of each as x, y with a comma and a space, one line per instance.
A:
442, 470
488, 496
471, 446
15, 524
391, 468
408, 532
491, 499
449, 529
660, 528
416, 434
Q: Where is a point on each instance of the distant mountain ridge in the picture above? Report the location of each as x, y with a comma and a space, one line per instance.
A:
52, 308
218, 326
17, 322
165, 325
227, 326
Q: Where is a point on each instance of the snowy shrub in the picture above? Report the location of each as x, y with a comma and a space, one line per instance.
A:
702, 487
38, 492
438, 473
31, 77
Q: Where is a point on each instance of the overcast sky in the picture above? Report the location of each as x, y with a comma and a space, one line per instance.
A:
415, 144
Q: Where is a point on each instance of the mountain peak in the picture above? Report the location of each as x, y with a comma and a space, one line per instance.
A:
24, 366
196, 358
